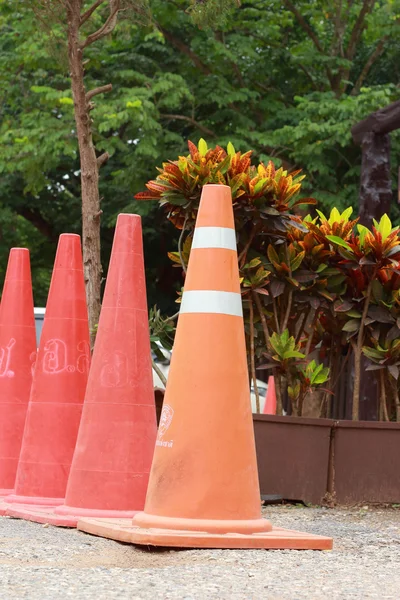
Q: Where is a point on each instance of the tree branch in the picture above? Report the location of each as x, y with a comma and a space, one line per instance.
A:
310, 32
33, 216
371, 60
185, 49
103, 158
340, 27
99, 90
309, 76
359, 25
199, 126
107, 28
86, 15
304, 25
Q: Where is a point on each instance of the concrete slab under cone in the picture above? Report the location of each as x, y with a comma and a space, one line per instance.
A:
122, 530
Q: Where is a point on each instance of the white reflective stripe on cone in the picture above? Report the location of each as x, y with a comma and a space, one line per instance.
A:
214, 237
212, 301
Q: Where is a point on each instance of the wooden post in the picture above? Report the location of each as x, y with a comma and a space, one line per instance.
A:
375, 198
372, 134
375, 181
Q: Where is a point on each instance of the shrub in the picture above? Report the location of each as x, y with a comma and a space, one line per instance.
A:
310, 285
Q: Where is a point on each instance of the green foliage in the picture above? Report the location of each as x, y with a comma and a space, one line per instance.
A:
162, 332
254, 278
285, 347
212, 13
316, 374
289, 360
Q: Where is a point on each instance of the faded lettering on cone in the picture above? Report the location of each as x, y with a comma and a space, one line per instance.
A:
5, 359
55, 358
165, 421
117, 370
32, 358
114, 372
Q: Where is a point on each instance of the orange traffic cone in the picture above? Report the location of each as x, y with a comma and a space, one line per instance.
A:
58, 386
270, 400
203, 488
112, 459
17, 353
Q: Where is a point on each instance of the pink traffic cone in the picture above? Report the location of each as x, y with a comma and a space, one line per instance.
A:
17, 354
270, 401
58, 386
111, 464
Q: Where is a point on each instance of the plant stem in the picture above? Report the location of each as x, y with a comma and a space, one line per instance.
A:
342, 366
336, 367
333, 368
310, 333
358, 355
180, 244
252, 362
173, 317
275, 315
396, 397
382, 396
263, 320
288, 309
243, 255
300, 403
278, 391
303, 320
159, 373
290, 295
326, 404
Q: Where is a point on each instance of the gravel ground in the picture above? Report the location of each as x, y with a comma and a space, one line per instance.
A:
45, 563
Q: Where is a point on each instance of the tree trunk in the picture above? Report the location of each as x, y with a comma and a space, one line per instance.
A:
89, 169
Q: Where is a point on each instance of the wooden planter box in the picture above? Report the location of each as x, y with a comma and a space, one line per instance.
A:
293, 456
366, 460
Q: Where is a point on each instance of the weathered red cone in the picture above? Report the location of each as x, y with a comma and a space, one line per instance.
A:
17, 354
58, 386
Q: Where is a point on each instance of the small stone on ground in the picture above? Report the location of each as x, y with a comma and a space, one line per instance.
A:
49, 563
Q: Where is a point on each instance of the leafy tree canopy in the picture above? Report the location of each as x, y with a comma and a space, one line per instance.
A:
286, 79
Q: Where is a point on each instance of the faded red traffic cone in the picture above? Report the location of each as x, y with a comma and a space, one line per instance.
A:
58, 386
203, 487
270, 400
17, 354
111, 465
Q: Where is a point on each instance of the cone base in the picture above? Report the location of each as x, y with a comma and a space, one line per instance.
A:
44, 515
122, 530
3, 507
95, 512
69, 518
34, 500
242, 526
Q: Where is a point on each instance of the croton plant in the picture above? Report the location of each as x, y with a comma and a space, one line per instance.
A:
318, 291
